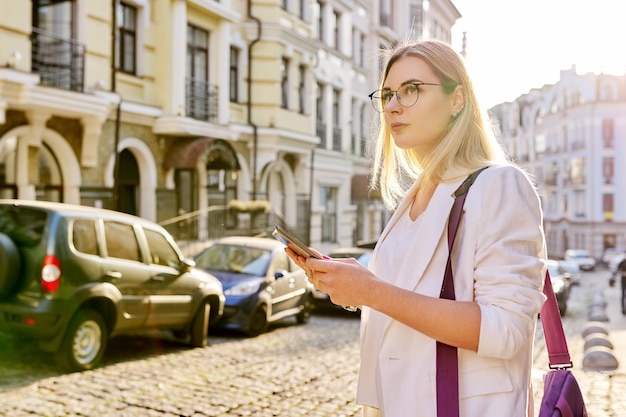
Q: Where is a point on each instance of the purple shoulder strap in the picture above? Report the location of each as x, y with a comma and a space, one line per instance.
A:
447, 357
556, 343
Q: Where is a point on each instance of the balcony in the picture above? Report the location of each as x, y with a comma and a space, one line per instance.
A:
59, 62
201, 100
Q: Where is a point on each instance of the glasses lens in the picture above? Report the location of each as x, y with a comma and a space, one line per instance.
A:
407, 95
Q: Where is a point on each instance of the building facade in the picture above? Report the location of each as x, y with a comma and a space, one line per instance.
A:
210, 117
571, 136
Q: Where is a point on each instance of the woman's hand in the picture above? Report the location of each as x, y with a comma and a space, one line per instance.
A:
345, 280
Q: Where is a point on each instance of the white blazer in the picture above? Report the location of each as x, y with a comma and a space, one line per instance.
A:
498, 261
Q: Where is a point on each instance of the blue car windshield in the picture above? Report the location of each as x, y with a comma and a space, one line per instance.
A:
232, 258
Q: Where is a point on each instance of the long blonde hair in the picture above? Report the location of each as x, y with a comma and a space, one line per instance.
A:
468, 143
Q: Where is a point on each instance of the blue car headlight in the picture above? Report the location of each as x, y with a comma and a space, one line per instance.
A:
247, 287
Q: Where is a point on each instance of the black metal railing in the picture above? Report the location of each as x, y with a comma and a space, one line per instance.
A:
59, 62
201, 100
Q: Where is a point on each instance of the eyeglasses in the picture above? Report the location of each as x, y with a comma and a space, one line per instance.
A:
407, 96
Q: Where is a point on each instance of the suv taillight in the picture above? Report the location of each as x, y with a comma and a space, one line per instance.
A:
50, 274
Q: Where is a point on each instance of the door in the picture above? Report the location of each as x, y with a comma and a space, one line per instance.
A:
171, 293
286, 289
123, 266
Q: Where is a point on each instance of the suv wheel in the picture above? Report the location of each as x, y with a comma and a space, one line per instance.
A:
9, 265
200, 325
84, 342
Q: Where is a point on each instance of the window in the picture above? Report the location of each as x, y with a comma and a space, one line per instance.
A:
302, 9
121, 241
608, 169
201, 97
577, 171
319, 108
608, 206
284, 83
336, 120
127, 39
328, 202
385, 12
364, 129
320, 20
161, 251
234, 75
302, 89
608, 132
337, 29
84, 236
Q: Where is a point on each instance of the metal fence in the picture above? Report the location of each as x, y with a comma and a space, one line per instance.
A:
59, 62
201, 100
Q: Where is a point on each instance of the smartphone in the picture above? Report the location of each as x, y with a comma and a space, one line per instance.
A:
296, 245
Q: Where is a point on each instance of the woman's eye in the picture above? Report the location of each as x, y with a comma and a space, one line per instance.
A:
411, 89
386, 97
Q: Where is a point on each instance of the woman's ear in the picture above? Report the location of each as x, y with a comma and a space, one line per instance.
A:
458, 99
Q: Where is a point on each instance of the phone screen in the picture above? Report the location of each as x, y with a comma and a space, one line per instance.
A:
296, 245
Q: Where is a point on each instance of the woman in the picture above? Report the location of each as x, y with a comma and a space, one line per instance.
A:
433, 134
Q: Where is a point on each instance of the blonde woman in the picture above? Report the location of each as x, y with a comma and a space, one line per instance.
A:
433, 134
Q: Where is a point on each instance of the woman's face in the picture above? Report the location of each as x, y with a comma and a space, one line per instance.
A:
420, 126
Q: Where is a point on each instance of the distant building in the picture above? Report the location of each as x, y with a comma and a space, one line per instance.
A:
212, 118
572, 137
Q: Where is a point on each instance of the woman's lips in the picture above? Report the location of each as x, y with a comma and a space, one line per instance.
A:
397, 126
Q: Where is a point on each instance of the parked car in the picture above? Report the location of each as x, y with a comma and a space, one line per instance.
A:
261, 283
581, 256
560, 285
362, 255
71, 277
571, 271
611, 253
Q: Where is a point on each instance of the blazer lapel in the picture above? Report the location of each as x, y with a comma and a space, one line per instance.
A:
432, 227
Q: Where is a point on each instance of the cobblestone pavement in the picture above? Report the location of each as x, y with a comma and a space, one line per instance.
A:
291, 371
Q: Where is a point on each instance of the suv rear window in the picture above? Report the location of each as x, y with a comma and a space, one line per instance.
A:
24, 225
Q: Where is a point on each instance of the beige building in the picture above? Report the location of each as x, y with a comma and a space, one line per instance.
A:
570, 136
211, 117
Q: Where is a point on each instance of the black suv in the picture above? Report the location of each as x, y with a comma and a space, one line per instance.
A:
73, 276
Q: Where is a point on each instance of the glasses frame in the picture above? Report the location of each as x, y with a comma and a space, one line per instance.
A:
381, 109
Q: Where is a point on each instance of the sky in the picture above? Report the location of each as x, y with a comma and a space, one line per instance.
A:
514, 46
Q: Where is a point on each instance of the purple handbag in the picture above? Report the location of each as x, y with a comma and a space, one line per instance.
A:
561, 393
562, 396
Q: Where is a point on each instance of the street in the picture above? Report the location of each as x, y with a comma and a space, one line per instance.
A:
294, 370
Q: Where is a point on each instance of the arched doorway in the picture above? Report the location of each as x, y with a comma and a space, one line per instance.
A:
128, 183
50, 185
8, 159
205, 180
221, 185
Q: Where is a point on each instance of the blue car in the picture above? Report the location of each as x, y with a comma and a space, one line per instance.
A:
261, 283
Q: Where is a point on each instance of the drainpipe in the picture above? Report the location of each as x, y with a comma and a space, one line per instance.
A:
255, 134
116, 163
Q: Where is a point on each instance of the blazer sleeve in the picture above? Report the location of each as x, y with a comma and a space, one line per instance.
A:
510, 260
